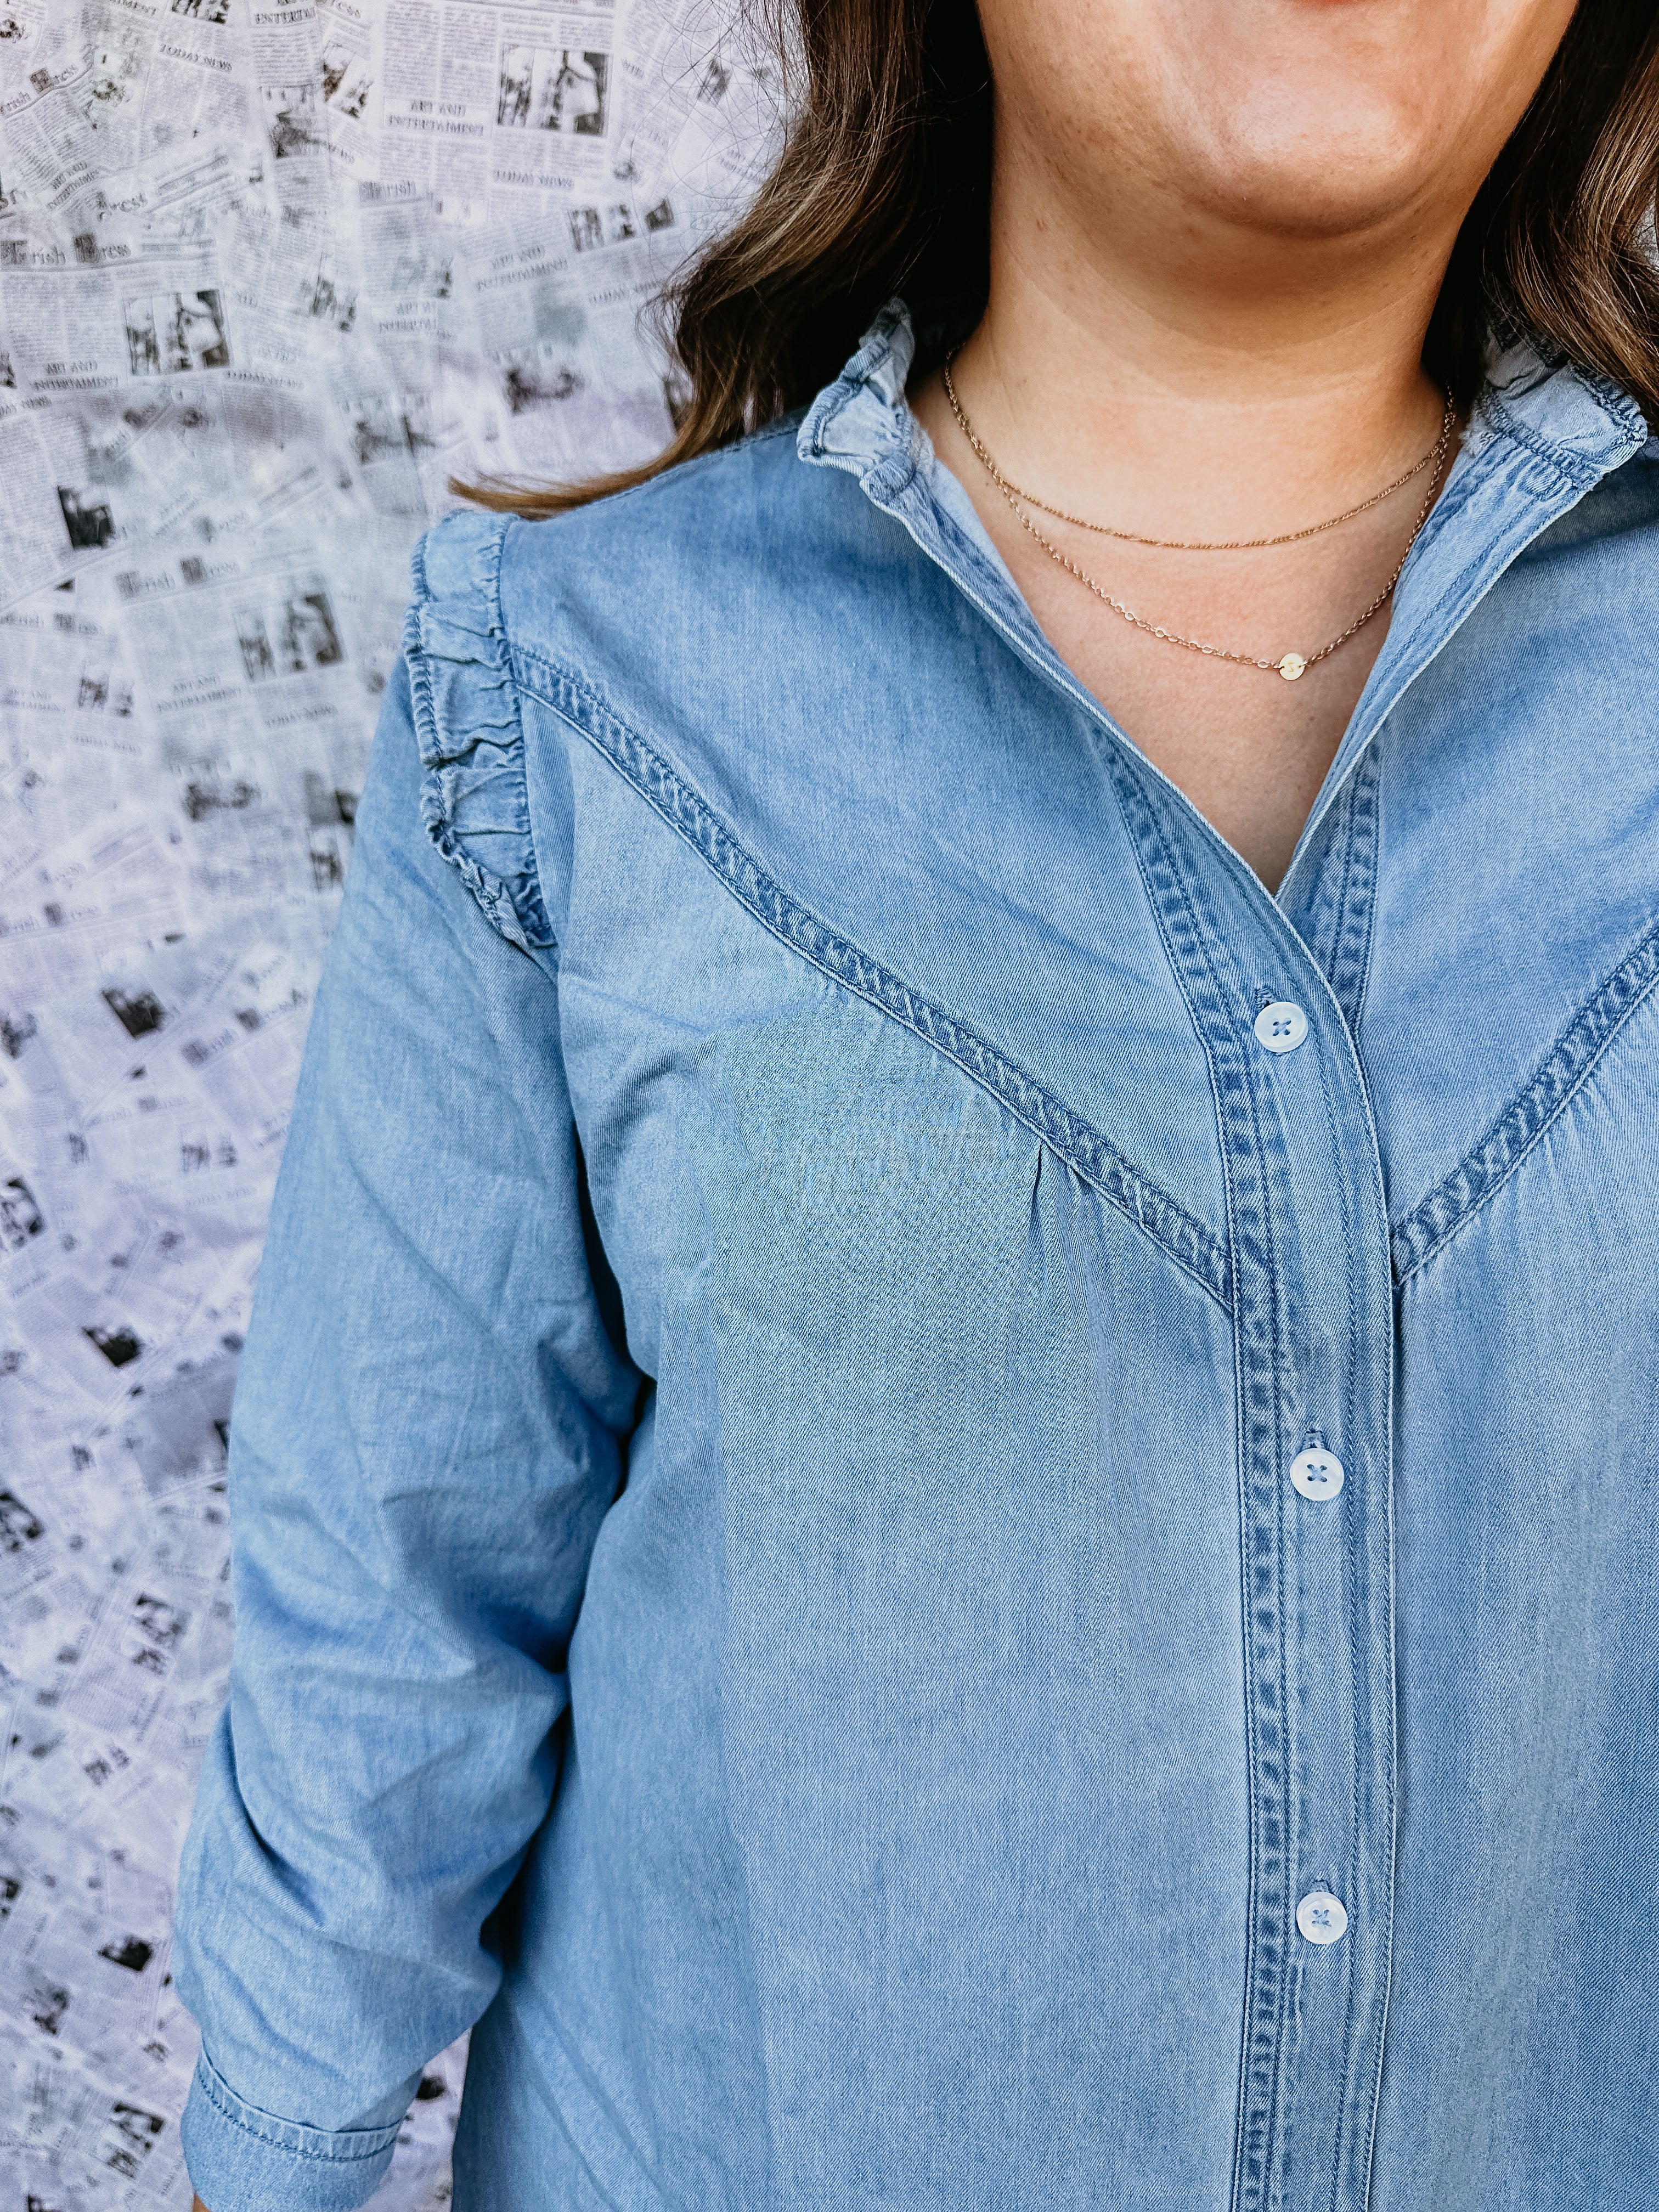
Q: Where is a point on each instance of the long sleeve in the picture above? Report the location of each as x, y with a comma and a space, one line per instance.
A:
424, 1441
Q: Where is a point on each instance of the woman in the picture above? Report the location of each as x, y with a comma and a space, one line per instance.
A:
944, 1490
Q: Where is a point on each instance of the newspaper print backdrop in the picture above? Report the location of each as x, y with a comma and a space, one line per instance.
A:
270, 272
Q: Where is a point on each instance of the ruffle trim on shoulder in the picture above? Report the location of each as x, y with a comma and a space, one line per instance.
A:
474, 798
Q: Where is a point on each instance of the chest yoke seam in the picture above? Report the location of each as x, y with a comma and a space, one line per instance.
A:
1527, 1118
1160, 1218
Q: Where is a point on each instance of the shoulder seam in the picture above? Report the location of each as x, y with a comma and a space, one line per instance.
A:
1163, 1219
694, 463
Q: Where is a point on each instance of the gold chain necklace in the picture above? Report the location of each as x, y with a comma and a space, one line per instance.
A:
1290, 665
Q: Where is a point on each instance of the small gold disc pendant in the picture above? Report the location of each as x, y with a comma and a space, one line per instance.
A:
1292, 666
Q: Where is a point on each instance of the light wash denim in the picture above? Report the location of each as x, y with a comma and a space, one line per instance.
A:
788, 1555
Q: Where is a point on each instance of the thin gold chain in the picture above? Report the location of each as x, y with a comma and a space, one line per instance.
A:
1290, 665
1435, 452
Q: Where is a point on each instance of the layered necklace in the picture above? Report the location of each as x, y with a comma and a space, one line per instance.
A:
1290, 665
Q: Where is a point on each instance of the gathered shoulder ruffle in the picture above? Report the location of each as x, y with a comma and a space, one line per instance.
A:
474, 798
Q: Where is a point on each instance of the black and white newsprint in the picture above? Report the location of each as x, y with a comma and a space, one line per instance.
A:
271, 272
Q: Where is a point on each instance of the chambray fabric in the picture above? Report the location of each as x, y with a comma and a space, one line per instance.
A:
766, 1568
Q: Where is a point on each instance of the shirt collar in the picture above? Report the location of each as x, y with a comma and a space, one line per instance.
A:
1579, 423
1541, 435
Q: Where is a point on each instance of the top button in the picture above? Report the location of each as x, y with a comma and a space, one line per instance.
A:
1281, 1026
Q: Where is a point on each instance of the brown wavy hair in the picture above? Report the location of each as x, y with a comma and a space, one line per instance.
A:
883, 187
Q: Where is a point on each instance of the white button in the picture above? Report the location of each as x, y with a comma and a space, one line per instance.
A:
1320, 1917
1281, 1026
1317, 1473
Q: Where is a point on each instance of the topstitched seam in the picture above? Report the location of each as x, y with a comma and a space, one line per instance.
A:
1160, 1218
1530, 1116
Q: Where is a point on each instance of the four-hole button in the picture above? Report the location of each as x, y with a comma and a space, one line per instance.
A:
1316, 1474
1281, 1026
1322, 1917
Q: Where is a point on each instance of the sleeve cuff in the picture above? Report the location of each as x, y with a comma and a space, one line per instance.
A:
243, 2159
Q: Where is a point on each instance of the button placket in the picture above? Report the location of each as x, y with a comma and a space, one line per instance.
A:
1313, 1335
1335, 1916
1337, 1937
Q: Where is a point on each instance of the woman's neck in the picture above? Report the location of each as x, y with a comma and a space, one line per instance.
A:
1163, 372
1182, 376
